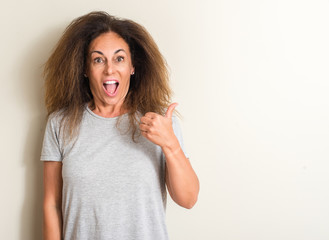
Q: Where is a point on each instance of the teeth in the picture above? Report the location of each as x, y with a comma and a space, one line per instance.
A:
110, 82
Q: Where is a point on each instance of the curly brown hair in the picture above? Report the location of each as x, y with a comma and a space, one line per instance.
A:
67, 90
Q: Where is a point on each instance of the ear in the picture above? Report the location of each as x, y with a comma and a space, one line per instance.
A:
132, 71
85, 72
86, 68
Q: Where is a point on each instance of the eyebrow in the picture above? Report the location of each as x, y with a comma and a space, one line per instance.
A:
99, 52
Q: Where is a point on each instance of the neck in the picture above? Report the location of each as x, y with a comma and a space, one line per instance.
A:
108, 111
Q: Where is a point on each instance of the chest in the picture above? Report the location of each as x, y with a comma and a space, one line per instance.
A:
106, 160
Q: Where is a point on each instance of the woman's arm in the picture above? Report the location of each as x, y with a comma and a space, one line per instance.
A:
181, 180
52, 201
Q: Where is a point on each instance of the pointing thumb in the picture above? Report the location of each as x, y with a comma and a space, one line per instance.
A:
170, 110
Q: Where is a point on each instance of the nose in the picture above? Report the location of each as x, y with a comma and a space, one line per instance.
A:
108, 68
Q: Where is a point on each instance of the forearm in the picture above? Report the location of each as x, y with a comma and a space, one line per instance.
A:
52, 223
182, 182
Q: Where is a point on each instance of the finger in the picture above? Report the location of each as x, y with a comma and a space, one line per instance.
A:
170, 110
143, 127
144, 134
151, 115
146, 121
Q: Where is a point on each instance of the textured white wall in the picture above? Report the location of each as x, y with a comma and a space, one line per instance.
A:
251, 78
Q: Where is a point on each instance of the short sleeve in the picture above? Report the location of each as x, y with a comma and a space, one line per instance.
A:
51, 146
178, 133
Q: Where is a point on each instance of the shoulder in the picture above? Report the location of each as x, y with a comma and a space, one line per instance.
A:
54, 120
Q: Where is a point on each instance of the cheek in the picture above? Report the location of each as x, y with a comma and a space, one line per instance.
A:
127, 78
92, 85
94, 76
125, 75
93, 81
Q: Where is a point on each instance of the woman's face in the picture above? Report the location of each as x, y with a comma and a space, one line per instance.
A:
109, 68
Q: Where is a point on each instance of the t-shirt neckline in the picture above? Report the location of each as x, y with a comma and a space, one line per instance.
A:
103, 118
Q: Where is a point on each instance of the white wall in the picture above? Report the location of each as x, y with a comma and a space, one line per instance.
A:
251, 78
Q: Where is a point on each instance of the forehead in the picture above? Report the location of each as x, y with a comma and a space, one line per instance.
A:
109, 41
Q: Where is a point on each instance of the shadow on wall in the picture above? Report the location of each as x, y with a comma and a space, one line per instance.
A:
32, 99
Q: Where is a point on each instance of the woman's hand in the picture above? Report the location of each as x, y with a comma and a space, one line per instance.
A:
158, 129
181, 180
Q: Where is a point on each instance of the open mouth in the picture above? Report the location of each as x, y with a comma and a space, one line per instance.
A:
111, 87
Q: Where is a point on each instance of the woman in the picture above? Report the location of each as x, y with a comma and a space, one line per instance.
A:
111, 143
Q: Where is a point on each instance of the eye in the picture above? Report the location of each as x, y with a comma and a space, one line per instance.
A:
120, 59
98, 60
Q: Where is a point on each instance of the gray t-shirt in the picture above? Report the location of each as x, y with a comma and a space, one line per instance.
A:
113, 188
